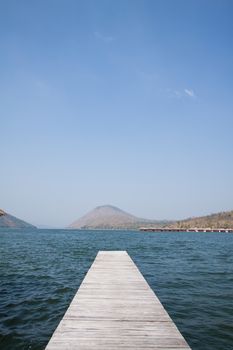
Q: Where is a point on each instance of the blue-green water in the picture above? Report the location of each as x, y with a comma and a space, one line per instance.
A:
40, 271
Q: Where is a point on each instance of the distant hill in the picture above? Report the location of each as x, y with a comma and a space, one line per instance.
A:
110, 217
9, 221
219, 220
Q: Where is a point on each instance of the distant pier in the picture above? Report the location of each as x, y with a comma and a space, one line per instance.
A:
154, 229
115, 309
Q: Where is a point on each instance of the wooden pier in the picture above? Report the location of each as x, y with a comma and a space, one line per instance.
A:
164, 229
115, 309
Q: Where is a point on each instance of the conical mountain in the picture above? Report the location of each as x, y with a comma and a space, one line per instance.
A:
109, 217
10, 221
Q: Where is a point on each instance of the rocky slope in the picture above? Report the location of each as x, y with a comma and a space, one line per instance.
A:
110, 217
219, 220
10, 221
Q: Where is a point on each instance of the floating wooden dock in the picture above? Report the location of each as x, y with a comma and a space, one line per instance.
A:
115, 309
155, 229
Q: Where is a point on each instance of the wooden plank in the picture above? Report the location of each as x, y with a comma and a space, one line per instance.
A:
115, 309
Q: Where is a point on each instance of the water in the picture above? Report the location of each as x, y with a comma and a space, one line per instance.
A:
40, 271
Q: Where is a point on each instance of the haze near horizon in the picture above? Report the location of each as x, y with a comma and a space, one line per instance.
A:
127, 103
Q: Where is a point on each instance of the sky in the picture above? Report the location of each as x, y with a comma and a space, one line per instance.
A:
126, 102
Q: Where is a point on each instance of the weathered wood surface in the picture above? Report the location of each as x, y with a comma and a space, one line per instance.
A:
115, 309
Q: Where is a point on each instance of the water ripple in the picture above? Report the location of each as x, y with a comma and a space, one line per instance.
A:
41, 270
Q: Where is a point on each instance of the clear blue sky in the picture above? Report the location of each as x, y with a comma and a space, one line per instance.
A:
121, 102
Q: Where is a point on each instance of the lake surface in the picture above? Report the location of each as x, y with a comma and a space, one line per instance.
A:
41, 270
